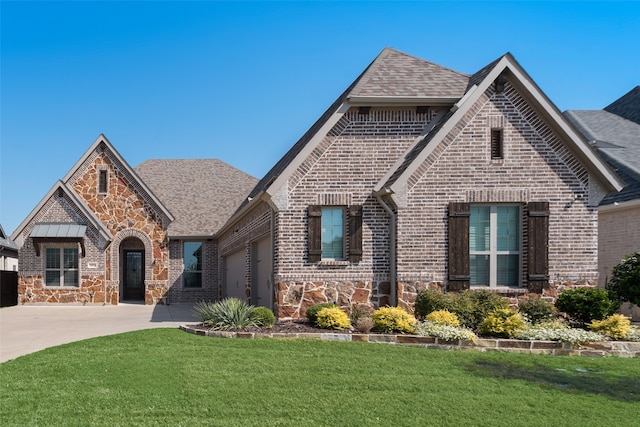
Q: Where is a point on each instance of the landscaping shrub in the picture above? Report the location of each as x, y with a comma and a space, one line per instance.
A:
617, 326
393, 319
625, 280
359, 311
363, 325
263, 316
312, 312
503, 322
558, 331
229, 313
583, 305
332, 318
472, 307
443, 317
431, 300
537, 310
443, 331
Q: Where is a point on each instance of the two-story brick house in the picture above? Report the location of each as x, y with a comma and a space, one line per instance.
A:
416, 176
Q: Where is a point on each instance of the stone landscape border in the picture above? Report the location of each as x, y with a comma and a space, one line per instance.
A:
595, 349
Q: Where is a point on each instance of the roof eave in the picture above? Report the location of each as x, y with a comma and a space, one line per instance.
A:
401, 101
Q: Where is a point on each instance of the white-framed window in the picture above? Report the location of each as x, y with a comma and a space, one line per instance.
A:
61, 265
495, 245
192, 258
333, 232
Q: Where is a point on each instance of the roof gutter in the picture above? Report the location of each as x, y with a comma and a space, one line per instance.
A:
401, 100
393, 283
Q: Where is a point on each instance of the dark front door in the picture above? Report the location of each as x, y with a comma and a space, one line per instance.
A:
133, 286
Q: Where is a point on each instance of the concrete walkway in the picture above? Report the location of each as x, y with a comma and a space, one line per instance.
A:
25, 329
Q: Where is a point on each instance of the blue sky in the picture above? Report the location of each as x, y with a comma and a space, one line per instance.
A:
242, 81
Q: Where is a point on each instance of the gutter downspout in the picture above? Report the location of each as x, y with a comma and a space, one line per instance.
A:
392, 246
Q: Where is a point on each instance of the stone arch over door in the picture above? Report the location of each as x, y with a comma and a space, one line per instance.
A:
116, 249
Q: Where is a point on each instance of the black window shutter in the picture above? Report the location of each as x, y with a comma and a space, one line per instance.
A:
459, 214
355, 233
538, 246
314, 233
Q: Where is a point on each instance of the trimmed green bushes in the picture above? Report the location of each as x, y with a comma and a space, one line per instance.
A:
583, 305
625, 280
471, 307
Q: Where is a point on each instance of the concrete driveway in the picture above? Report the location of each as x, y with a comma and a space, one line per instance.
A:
25, 329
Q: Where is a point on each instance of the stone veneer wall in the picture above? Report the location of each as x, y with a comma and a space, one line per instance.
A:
125, 212
31, 288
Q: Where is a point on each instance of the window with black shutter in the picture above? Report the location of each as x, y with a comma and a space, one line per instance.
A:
459, 214
538, 246
328, 226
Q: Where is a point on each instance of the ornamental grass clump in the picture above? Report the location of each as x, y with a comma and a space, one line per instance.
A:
393, 319
229, 313
332, 318
502, 323
443, 317
617, 326
557, 331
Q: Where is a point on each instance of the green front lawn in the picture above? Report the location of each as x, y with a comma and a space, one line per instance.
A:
168, 377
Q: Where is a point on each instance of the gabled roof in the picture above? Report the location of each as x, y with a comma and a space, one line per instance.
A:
396, 76
59, 187
617, 140
201, 193
392, 78
62, 185
6, 243
627, 106
124, 166
396, 178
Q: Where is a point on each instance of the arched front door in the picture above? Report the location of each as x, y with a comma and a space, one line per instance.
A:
133, 266
133, 277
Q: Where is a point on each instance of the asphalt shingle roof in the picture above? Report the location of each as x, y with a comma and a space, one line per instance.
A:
202, 194
391, 74
6, 242
628, 106
397, 74
617, 141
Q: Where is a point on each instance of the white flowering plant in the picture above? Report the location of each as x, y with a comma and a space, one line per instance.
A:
554, 331
443, 331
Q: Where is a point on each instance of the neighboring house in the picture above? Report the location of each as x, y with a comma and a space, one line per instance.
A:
615, 134
107, 233
420, 176
8, 252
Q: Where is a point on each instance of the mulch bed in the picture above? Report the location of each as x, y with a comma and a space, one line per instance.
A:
290, 327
